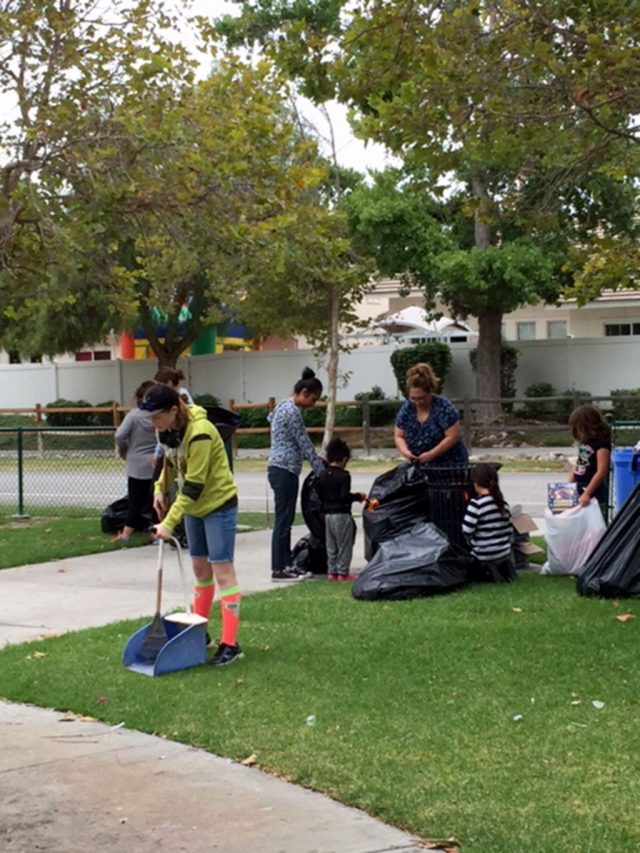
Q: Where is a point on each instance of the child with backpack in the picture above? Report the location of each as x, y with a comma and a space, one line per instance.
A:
591, 473
487, 525
334, 489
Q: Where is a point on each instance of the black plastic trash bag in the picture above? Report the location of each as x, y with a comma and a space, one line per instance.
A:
397, 500
310, 555
613, 569
115, 516
420, 562
311, 506
413, 493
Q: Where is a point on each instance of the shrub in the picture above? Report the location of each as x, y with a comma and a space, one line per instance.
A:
437, 354
104, 418
537, 411
314, 417
380, 415
566, 406
69, 418
206, 400
508, 364
626, 410
252, 418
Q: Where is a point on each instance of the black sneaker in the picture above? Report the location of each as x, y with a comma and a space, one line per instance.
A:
287, 574
211, 643
226, 654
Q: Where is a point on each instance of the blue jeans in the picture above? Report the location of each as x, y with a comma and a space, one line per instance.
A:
213, 536
285, 492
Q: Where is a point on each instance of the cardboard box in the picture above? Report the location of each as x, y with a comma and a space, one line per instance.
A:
522, 548
561, 496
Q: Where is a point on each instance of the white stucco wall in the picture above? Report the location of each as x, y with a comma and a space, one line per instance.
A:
597, 365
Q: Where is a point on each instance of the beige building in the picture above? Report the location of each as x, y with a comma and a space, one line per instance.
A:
614, 314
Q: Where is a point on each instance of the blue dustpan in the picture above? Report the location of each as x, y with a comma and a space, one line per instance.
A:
186, 646
186, 643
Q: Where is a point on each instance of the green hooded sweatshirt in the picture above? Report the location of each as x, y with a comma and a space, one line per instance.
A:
201, 467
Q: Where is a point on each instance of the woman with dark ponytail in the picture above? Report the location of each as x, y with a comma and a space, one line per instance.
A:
487, 525
290, 446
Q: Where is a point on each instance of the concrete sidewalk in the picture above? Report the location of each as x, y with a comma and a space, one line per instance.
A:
78, 787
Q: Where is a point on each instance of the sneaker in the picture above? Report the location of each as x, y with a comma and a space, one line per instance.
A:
226, 654
285, 575
345, 578
211, 643
332, 577
303, 574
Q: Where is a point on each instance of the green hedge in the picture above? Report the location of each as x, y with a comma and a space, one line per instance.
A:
626, 410
436, 354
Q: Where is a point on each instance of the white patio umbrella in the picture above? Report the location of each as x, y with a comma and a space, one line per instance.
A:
414, 320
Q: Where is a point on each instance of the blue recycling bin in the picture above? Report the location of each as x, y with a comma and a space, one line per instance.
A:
626, 474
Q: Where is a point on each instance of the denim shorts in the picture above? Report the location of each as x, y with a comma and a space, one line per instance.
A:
213, 536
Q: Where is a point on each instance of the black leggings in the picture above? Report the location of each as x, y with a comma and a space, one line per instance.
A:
140, 512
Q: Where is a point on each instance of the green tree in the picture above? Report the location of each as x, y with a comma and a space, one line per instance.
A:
484, 91
194, 201
62, 70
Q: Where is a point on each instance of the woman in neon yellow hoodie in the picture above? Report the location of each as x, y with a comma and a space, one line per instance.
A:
207, 500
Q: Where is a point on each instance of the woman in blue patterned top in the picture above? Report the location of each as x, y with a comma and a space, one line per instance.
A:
290, 446
428, 426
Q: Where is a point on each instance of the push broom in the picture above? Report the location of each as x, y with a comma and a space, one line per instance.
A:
156, 636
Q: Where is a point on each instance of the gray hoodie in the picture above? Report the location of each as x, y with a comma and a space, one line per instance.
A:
136, 441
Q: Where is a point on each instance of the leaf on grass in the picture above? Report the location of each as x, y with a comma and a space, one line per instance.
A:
250, 760
38, 655
576, 702
624, 617
517, 609
101, 699
597, 704
445, 845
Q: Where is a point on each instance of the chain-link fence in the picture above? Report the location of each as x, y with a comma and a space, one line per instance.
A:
59, 471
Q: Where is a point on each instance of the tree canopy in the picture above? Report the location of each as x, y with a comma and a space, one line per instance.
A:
523, 105
131, 188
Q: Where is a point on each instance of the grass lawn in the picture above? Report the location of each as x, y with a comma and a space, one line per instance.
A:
40, 539
468, 715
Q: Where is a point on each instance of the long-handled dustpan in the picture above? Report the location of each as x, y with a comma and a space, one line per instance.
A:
168, 643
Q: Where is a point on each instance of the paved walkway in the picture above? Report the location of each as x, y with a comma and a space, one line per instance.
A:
78, 787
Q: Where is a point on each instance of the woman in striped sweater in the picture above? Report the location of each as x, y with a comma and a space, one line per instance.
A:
487, 525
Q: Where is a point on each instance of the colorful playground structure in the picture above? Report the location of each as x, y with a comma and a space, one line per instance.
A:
212, 339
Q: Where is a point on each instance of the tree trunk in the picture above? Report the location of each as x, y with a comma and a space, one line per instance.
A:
489, 322
488, 364
332, 367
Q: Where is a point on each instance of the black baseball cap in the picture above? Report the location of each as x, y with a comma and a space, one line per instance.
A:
158, 398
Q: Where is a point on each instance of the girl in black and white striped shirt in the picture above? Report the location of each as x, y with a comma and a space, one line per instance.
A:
487, 525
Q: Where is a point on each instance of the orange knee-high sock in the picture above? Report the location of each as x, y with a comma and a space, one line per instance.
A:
203, 592
230, 609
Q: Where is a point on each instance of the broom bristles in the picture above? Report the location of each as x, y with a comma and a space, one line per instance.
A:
155, 639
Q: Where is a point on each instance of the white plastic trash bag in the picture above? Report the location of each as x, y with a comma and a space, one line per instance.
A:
571, 536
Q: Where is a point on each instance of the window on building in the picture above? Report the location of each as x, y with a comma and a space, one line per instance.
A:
97, 355
557, 329
618, 330
526, 331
